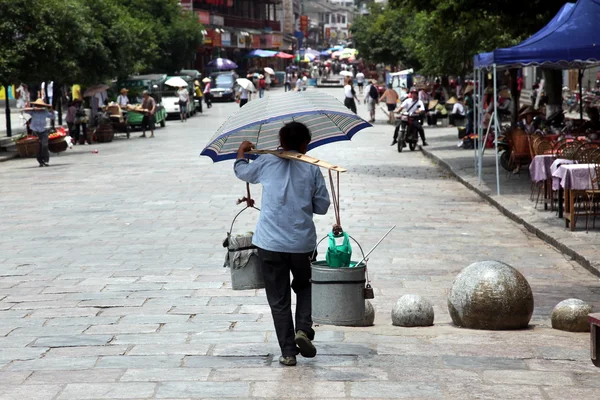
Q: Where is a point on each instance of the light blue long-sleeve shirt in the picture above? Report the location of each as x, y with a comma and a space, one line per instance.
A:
292, 192
38, 120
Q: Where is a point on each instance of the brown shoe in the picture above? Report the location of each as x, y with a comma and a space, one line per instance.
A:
288, 361
307, 349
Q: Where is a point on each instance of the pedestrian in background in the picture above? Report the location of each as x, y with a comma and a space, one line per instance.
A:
350, 95
243, 96
207, 94
390, 97
184, 98
41, 111
371, 98
122, 98
285, 235
262, 84
288, 81
198, 94
149, 106
70, 119
81, 121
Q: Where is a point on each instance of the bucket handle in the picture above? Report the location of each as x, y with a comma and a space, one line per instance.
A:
237, 215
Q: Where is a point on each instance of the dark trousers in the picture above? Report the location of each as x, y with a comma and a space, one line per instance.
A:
416, 124
208, 100
288, 86
348, 102
455, 119
43, 155
276, 268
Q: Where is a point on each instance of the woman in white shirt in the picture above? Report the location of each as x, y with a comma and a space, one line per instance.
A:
122, 99
350, 95
184, 97
458, 112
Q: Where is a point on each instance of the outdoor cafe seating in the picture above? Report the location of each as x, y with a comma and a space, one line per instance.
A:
567, 173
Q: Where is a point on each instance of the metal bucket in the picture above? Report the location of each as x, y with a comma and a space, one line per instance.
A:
338, 294
248, 277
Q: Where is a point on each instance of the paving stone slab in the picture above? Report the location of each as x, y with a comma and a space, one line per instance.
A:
37, 392
125, 390
127, 361
197, 349
151, 338
87, 351
165, 374
298, 389
115, 329
72, 341
389, 390
225, 362
47, 364
514, 377
196, 389
70, 376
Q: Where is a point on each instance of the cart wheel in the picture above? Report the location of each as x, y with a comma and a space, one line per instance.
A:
412, 146
162, 123
400, 145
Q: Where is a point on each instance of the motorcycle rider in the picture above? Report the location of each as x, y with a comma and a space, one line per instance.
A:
414, 107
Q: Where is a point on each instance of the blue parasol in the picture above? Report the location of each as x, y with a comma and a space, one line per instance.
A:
259, 121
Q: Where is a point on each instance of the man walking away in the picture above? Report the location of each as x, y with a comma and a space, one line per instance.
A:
372, 98
285, 235
360, 81
148, 104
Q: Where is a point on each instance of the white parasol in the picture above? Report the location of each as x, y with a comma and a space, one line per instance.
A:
346, 73
269, 71
246, 84
176, 82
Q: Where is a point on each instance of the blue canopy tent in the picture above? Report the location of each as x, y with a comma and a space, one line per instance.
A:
570, 40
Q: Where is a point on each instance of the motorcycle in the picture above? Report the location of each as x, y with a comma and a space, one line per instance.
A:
408, 132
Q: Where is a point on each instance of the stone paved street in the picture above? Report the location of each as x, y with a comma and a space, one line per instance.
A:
112, 285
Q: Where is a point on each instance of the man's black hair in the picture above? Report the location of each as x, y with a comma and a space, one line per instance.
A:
293, 135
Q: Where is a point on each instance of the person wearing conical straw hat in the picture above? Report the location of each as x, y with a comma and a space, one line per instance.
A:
458, 111
527, 119
41, 111
207, 95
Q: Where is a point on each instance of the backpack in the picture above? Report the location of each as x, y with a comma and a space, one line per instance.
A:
373, 92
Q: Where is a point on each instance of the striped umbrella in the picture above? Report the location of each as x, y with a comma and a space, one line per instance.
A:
259, 122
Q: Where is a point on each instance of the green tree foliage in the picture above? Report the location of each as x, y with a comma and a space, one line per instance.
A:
379, 36
90, 42
442, 36
172, 36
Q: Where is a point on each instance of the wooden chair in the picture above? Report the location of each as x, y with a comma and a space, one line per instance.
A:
586, 153
544, 147
519, 152
566, 149
592, 194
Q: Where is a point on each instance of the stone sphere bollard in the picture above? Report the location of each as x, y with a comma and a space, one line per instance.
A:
490, 295
369, 319
571, 315
412, 310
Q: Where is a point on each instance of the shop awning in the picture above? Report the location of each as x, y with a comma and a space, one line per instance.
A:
570, 40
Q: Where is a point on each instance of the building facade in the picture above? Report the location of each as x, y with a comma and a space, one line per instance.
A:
233, 28
329, 22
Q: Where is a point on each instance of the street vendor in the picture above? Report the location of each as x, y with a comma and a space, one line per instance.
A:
285, 235
122, 99
149, 106
41, 111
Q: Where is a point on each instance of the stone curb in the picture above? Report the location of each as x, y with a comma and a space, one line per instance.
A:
7, 157
574, 254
